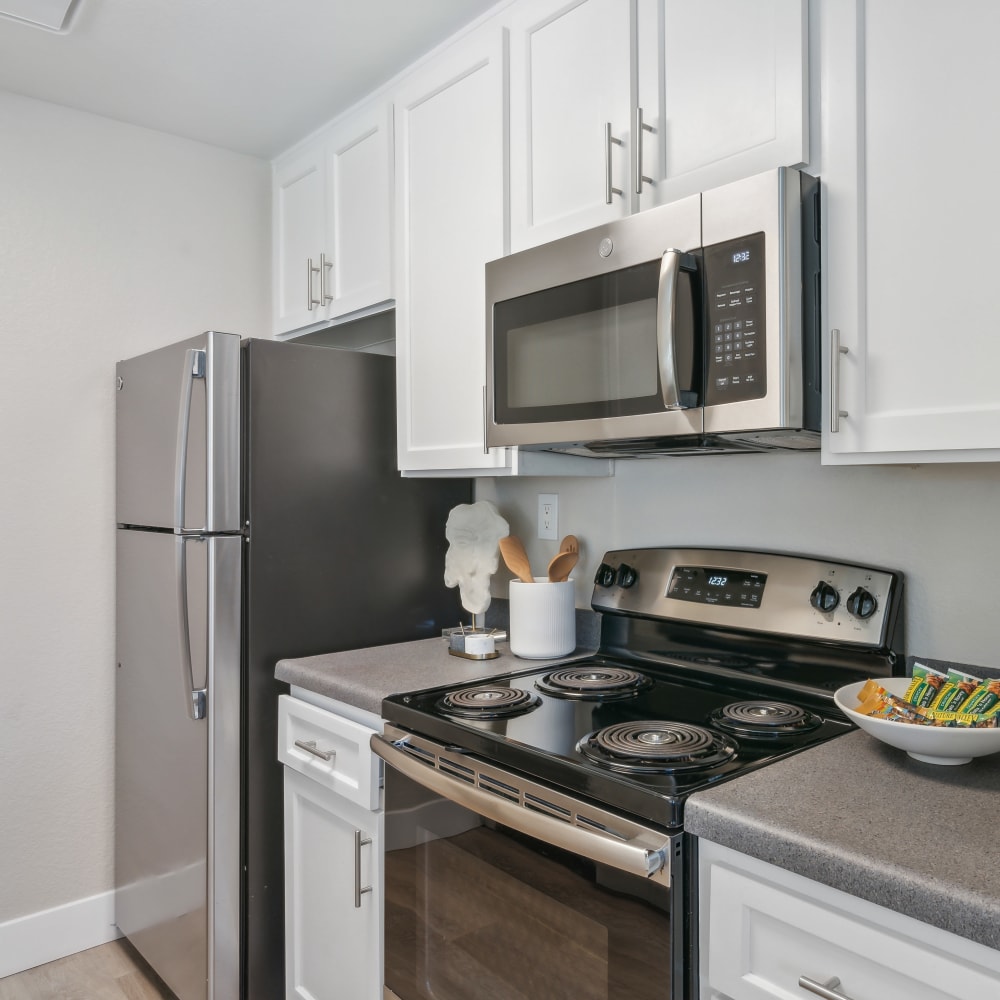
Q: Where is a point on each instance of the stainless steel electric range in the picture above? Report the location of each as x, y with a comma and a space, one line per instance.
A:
535, 844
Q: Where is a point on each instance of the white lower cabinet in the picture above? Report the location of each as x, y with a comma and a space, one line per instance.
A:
333, 856
767, 934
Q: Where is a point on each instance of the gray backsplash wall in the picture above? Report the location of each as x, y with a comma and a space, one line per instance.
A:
938, 524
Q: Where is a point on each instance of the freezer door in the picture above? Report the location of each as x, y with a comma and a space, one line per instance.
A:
178, 426
176, 776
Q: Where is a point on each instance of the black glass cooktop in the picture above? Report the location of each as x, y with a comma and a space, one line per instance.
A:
635, 738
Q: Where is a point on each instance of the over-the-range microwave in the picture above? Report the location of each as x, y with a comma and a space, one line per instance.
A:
692, 327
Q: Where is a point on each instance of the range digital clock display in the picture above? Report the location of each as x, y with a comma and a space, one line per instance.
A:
711, 585
741, 256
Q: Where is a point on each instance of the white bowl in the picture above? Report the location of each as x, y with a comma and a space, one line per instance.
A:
932, 744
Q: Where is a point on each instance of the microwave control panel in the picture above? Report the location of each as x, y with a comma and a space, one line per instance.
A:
736, 367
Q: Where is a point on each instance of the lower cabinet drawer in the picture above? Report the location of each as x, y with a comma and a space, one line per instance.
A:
763, 935
329, 749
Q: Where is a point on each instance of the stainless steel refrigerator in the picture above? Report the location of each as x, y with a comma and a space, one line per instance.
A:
260, 516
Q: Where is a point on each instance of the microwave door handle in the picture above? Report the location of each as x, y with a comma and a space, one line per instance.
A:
671, 264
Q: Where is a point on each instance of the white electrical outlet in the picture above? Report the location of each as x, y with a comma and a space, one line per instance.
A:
548, 515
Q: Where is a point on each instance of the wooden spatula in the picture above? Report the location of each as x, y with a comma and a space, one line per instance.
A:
516, 558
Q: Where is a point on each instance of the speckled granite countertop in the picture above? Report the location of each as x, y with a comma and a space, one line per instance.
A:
865, 818
363, 677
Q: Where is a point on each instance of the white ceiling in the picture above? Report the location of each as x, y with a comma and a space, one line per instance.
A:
250, 75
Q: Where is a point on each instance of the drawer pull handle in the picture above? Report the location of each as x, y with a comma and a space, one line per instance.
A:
360, 840
827, 990
310, 747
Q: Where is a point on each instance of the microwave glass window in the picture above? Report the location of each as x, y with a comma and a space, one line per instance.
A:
587, 349
610, 350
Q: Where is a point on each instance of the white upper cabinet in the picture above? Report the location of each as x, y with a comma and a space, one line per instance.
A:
570, 95
332, 221
909, 93
610, 114
299, 213
723, 92
450, 218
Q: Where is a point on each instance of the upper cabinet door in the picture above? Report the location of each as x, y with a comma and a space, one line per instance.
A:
610, 115
900, 145
570, 95
332, 221
723, 90
299, 232
359, 206
450, 215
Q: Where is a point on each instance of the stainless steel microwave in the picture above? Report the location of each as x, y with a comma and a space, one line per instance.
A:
692, 327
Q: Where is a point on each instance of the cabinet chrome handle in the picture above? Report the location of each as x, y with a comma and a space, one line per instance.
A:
360, 840
324, 266
310, 271
827, 990
836, 350
486, 416
609, 141
640, 127
310, 747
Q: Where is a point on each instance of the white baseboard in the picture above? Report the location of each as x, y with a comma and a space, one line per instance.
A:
50, 934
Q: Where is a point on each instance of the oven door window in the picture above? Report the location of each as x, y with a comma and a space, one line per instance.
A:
476, 910
587, 349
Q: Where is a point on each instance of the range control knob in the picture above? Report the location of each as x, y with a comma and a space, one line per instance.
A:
605, 575
626, 576
862, 604
825, 597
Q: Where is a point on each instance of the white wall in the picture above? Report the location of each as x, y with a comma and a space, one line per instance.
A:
113, 240
938, 524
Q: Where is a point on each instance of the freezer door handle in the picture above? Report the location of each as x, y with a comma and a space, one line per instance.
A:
194, 368
197, 698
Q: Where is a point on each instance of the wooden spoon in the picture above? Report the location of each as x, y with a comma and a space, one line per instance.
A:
562, 565
569, 544
516, 558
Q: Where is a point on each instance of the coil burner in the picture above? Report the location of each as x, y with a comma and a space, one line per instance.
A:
764, 719
488, 701
656, 747
595, 682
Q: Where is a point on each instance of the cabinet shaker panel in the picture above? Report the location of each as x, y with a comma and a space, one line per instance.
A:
910, 230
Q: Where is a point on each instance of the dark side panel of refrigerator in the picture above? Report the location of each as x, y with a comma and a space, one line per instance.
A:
343, 553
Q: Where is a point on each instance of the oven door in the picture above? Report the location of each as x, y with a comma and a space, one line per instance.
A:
598, 336
498, 887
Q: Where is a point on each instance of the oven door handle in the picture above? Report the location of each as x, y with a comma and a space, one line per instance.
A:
631, 847
671, 264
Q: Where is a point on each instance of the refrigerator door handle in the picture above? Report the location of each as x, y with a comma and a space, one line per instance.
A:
194, 367
197, 698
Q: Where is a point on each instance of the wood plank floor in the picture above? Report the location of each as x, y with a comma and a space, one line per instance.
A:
114, 971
